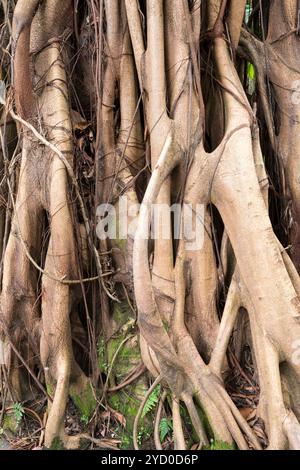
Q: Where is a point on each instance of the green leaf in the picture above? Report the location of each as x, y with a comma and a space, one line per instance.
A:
250, 71
152, 401
18, 412
165, 428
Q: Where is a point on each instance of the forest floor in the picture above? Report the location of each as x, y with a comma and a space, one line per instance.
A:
23, 424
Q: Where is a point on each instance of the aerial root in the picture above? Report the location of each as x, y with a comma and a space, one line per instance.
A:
157, 421
291, 428
179, 441
140, 411
236, 419
76, 442
197, 424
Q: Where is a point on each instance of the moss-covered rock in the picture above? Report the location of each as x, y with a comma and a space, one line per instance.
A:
119, 356
10, 423
83, 397
57, 444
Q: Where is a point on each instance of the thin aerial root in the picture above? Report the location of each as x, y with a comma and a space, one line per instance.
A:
239, 419
134, 375
70, 172
198, 426
157, 442
140, 411
230, 421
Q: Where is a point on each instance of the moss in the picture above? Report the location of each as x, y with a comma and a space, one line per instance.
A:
128, 356
50, 389
57, 444
10, 423
166, 326
205, 422
221, 445
128, 405
127, 400
122, 314
84, 401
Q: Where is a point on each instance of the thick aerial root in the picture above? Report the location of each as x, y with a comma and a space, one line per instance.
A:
185, 371
179, 441
291, 428
55, 424
56, 346
226, 327
19, 308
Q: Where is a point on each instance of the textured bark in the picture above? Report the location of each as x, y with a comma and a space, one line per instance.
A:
150, 96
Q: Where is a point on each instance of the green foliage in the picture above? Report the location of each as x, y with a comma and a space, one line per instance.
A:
143, 434
85, 401
220, 445
117, 358
248, 11
57, 444
250, 71
165, 428
126, 442
102, 356
18, 412
123, 316
152, 401
50, 389
85, 419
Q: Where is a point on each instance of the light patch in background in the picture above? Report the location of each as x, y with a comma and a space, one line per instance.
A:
2, 353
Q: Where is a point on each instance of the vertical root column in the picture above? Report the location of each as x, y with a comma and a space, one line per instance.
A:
56, 344
19, 313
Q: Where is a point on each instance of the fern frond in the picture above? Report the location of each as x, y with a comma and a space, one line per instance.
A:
152, 401
165, 428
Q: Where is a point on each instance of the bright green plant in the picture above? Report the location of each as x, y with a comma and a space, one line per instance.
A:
18, 412
165, 428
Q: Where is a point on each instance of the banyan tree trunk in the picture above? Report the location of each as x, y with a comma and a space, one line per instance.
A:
150, 95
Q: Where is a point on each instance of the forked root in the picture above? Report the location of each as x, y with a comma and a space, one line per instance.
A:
193, 376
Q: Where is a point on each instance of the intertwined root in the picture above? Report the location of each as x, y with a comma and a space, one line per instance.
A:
225, 420
200, 387
188, 355
237, 188
39, 325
